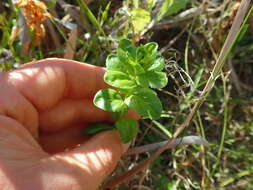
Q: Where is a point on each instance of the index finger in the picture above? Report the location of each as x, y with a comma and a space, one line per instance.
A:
44, 83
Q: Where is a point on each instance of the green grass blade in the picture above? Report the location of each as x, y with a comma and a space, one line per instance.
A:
85, 10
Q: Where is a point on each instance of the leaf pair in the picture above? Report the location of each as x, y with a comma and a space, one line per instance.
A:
143, 100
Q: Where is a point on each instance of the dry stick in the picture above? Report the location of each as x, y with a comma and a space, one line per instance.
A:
233, 34
177, 142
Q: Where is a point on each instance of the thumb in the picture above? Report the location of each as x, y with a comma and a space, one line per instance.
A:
98, 157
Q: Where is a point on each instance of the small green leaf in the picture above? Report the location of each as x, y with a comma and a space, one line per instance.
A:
128, 47
119, 79
145, 102
170, 7
157, 65
86, 11
138, 69
128, 129
97, 127
151, 47
151, 60
126, 60
176, 7
109, 100
113, 63
153, 79
142, 80
157, 79
151, 4
164, 8
104, 16
140, 19
123, 56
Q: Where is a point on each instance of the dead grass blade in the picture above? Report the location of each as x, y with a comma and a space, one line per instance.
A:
176, 142
24, 36
53, 34
71, 44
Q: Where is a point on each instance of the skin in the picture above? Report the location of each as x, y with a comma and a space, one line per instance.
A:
44, 106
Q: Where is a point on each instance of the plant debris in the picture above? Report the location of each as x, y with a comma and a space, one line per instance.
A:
35, 13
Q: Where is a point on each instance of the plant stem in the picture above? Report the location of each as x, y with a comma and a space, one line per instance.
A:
225, 124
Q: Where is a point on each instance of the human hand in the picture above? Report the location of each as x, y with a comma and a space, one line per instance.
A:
44, 106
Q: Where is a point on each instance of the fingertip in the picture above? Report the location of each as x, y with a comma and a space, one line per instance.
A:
133, 114
100, 155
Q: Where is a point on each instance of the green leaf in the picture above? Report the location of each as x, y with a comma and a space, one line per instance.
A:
127, 47
128, 129
151, 4
113, 63
170, 7
157, 65
104, 16
164, 8
142, 80
151, 47
140, 19
128, 61
153, 63
86, 11
151, 59
138, 69
119, 79
125, 57
157, 79
109, 100
145, 102
97, 127
176, 7
153, 79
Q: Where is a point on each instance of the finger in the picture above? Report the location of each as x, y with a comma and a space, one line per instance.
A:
16, 106
15, 140
98, 157
45, 82
68, 138
69, 112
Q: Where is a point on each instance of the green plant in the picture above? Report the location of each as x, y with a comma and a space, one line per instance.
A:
133, 71
141, 16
